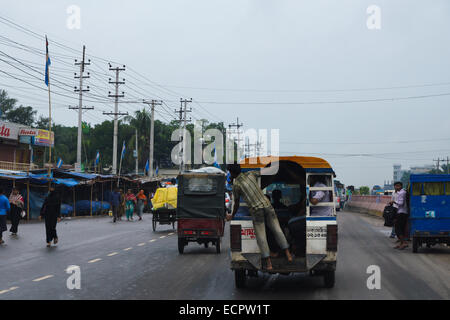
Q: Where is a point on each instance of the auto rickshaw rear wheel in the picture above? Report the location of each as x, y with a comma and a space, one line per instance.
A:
181, 244
415, 244
240, 278
329, 279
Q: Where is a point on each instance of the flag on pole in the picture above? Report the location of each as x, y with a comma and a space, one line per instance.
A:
97, 158
215, 157
47, 62
123, 150
147, 167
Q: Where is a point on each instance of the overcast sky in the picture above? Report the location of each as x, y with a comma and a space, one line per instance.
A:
225, 52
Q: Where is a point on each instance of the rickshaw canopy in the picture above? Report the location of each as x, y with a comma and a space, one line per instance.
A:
309, 164
165, 198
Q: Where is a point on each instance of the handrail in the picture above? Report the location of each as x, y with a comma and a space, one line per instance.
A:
5, 165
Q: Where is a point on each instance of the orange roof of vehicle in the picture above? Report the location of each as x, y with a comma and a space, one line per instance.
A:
305, 162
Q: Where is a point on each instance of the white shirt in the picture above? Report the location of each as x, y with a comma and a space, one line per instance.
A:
322, 196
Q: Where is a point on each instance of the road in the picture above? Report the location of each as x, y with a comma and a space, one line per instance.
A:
127, 260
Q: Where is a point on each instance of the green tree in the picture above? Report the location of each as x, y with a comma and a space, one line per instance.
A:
6, 104
364, 191
22, 115
10, 112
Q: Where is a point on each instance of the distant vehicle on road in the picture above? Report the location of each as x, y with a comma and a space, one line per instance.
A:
164, 207
201, 209
228, 202
313, 239
429, 206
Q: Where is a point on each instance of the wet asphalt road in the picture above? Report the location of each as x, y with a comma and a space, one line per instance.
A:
127, 260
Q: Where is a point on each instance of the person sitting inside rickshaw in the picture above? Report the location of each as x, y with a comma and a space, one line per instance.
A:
247, 185
320, 196
276, 197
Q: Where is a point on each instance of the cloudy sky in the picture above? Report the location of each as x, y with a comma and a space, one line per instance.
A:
361, 98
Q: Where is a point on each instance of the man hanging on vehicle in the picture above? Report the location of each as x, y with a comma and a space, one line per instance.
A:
246, 185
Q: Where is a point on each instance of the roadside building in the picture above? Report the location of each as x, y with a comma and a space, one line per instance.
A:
14, 155
21, 147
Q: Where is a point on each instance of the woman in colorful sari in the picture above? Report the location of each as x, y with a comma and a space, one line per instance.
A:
130, 199
16, 202
141, 202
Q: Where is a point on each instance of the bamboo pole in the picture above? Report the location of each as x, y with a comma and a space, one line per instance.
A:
92, 187
28, 200
102, 195
74, 206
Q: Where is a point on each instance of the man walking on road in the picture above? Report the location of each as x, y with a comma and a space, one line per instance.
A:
399, 202
4, 209
115, 203
246, 185
17, 204
51, 212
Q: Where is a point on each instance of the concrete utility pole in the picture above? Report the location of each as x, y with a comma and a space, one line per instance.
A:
237, 127
439, 162
80, 107
153, 103
183, 121
137, 153
116, 113
448, 160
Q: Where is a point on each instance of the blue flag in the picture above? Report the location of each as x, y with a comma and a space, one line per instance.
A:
123, 150
97, 158
59, 163
147, 167
47, 62
215, 157
157, 169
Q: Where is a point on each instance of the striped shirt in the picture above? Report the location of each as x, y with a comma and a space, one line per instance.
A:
247, 185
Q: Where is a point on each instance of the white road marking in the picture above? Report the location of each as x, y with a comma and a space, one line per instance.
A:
8, 290
170, 233
127, 249
162, 237
113, 254
153, 240
141, 244
43, 278
95, 260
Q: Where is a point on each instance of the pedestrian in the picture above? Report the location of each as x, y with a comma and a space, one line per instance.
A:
399, 202
51, 212
4, 209
141, 203
115, 203
121, 204
17, 204
246, 185
130, 199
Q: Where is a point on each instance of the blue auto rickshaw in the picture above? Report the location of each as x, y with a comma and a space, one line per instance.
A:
429, 209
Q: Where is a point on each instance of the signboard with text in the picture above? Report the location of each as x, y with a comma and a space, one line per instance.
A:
9, 131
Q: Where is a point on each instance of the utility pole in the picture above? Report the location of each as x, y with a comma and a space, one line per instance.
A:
116, 113
137, 154
153, 103
183, 121
439, 161
80, 108
237, 127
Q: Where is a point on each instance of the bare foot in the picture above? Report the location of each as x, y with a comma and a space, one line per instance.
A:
288, 255
269, 265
